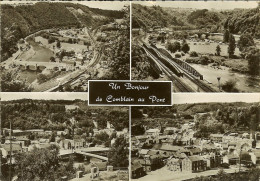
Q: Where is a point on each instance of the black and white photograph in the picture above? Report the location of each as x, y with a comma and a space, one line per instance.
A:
57, 136
57, 46
201, 46
200, 138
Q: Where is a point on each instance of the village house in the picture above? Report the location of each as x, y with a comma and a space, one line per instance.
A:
231, 159
152, 132
174, 164
255, 157
137, 170
6, 150
217, 138
193, 164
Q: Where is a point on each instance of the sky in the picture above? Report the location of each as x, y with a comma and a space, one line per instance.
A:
44, 95
180, 98
202, 4
111, 5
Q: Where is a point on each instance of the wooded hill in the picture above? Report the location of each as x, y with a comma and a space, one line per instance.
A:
20, 21
53, 115
238, 21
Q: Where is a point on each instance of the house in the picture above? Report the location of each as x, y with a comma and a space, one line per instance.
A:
193, 164
216, 138
195, 151
231, 159
137, 170
152, 132
170, 130
6, 149
255, 157
174, 164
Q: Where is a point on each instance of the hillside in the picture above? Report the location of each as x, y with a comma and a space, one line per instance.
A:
247, 21
20, 21
147, 17
237, 20
56, 115
226, 116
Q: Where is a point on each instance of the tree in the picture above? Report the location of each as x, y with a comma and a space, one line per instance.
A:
70, 41
40, 164
173, 47
185, 48
246, 40
218, 50
231, 45
11, 82
52, 59
226, 36
230, 86
118, 156
253, 58
58, 44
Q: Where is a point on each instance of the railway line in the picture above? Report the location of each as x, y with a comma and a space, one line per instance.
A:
176, 81
192, 78
173, 70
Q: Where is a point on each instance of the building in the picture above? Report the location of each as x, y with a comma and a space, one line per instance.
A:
217, 138
174, 164
6, 151
137, 170
152, 132
193, 164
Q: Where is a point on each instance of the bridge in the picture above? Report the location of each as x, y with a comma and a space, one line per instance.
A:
29, 65
91, 152
92, 155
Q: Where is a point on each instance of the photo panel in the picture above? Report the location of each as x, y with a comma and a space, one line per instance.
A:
201, 46
201, 137
57, 46
57, 136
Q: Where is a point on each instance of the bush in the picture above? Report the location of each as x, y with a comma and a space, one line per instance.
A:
177, 55
229, 86
194, 54
204, 60
225, 165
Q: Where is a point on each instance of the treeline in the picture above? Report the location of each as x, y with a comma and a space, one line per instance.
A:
20, 21
52, 115
247, 21
148, 17
218, 117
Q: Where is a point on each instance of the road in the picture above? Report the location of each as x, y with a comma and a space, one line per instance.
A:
166, 175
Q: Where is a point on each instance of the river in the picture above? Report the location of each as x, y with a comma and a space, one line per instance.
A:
42, 54
244, 83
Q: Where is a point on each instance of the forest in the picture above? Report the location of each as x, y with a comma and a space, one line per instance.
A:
20, 21
53, 115
237, 21
208, 117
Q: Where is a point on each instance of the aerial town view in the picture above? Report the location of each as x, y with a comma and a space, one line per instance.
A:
200, 46
59, 46
62, 139
200, 138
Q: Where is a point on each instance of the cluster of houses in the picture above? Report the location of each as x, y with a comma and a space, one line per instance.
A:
23, 141
179, 151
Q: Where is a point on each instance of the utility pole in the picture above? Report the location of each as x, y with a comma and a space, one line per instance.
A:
10, 166
219, 83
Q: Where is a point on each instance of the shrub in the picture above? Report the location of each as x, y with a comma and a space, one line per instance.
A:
194, 54
230, 86
177, 55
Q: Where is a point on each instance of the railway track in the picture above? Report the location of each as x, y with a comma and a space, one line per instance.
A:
199, 83
176, 81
